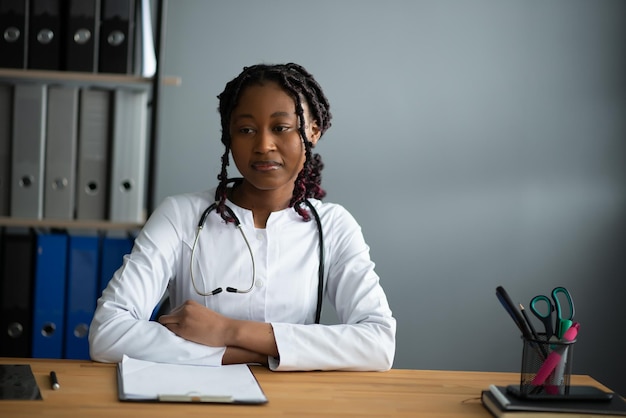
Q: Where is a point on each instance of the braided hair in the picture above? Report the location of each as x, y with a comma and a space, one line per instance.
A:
301, 85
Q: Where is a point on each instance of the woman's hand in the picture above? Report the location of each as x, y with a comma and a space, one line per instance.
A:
195, 322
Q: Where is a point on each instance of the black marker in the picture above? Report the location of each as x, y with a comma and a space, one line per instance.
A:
54, 381
506, 301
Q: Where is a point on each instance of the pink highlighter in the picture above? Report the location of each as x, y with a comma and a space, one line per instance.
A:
555, 356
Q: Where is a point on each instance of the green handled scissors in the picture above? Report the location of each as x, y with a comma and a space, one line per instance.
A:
562, 304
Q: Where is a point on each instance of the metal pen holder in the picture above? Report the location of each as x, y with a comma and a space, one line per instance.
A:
546, 366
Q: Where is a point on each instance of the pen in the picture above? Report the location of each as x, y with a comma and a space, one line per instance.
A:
505, 300
54, 381
518, 318
499, 396
532, 329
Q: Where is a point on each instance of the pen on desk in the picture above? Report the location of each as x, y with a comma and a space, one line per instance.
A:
54, 381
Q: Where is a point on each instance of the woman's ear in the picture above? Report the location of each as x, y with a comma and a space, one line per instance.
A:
314, 133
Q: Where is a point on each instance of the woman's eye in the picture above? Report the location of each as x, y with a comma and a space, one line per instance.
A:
245, 130
281, 128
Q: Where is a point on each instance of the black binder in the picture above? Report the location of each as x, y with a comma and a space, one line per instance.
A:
13, 33
82, 21
117, 42
16, 294
44, 39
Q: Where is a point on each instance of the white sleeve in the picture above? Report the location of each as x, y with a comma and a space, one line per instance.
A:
121, 322
365, 338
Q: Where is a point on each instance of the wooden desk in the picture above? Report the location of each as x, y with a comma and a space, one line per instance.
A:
89, 389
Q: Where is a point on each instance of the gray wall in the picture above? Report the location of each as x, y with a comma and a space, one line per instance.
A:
479, 143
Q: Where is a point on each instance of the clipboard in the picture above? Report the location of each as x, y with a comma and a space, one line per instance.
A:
147, 381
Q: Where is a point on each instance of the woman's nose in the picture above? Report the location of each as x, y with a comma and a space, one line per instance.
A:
264, 141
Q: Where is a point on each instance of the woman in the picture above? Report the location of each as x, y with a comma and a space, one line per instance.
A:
267, 239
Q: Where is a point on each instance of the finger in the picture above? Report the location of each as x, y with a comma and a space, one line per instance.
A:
168, 319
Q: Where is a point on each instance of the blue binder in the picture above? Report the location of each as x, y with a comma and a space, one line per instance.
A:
82, 285
113, 251
49, 296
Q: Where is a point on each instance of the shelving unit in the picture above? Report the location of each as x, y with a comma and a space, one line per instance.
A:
53, 268
104, 81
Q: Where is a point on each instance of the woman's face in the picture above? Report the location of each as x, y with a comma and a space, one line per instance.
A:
265, 141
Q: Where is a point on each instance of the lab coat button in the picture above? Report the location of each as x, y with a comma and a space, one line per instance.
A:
259, 283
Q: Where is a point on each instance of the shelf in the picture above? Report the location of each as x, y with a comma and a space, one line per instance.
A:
68, 224
107, 81
99, 79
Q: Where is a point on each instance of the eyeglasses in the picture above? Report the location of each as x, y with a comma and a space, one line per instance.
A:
217, 290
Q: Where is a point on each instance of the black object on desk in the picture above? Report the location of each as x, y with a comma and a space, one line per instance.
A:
502, 404
17, 382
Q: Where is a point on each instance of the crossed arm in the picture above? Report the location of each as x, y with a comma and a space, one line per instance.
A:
245, 341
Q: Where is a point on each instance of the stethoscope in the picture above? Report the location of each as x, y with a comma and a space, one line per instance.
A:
202, 222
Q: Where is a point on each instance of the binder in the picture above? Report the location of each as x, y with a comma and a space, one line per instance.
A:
44, 39
145, 54
6, 115
112, 256
128, 173
49, 295
28, 147
93, 155
16, 293
13, 33
61, 144
82, 283
117, 29
82, 20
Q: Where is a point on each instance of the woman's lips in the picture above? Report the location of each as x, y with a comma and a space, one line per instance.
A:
265, 165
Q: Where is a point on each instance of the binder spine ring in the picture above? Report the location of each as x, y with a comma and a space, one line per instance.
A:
116, 38
48, 329
45, 36
82, 36
26, 181
15, 330
11, 34
60, 184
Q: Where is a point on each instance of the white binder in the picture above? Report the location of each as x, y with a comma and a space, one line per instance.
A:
6, 106
145, 58
128, 165
61, 140
28, 150
93, 155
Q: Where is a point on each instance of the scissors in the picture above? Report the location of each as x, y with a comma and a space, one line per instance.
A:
564, 311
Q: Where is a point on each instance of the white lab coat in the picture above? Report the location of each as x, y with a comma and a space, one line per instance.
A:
286, 258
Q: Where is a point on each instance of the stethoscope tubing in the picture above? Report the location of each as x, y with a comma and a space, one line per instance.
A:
200, 227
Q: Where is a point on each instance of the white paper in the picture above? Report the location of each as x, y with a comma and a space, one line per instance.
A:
146, 380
